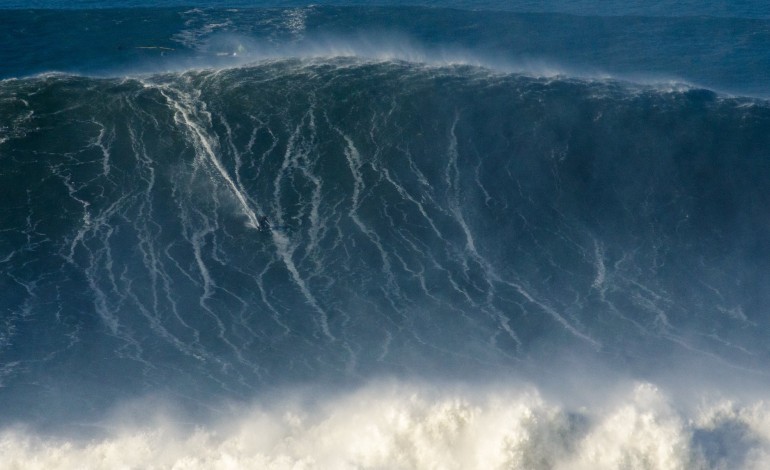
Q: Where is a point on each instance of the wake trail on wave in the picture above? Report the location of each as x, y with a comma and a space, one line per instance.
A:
184, 106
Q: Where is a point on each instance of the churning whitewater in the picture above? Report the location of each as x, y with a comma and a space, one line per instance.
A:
377, 255
407, 427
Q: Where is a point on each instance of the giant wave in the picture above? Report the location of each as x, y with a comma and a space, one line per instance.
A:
360, 261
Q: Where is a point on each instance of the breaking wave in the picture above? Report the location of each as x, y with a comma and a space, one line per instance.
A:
399, 426
221, 267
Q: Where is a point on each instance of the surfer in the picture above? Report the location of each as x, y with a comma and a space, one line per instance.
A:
264, 224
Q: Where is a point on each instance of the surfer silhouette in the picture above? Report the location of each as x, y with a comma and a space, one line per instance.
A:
264, 224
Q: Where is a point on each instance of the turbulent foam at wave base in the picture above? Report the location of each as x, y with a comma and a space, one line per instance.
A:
416, 428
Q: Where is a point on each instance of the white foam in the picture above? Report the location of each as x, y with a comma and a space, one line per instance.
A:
404, 426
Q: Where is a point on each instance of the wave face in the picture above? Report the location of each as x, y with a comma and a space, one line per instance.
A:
446, 263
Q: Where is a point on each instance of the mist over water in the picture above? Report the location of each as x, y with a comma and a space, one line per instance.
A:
721, 53
367, 237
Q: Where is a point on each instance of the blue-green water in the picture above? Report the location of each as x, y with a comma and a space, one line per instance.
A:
493, 200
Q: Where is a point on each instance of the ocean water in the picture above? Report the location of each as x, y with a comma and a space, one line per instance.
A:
365, 236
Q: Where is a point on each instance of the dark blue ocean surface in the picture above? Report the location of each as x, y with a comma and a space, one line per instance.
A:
389, 236
722, 8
